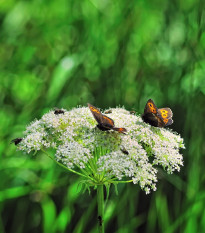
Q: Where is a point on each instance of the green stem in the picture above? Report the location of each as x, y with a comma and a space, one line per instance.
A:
71, 170
122, 181
100, 203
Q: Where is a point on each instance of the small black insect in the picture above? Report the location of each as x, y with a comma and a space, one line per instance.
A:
124, 151
100, 220
58, 111
108, 111
132, 112
16, 141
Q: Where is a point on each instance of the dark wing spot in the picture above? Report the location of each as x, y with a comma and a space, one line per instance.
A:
165, 121
164, 115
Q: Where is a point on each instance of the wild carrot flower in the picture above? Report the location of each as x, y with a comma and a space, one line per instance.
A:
106, 156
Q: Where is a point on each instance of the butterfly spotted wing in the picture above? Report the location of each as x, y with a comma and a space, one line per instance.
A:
104, 122
157, 117
166, 115
150, 113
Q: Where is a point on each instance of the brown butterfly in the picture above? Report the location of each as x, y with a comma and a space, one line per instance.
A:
157, 117
16, 141
104, 122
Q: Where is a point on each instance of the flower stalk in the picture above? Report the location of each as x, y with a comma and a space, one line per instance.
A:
100, 204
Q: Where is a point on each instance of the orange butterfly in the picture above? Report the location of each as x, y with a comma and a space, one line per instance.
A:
157, 117
104, 122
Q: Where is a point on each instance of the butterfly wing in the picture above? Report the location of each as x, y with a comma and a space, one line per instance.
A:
107, 122
152, 119
169, 122
166, 115
120, 130
96, 113
104, 122
165, 112
160, 122
150, 107
150, 113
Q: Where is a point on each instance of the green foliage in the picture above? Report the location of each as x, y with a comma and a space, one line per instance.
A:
67, 53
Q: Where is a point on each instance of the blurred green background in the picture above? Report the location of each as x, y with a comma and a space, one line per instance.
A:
108, 53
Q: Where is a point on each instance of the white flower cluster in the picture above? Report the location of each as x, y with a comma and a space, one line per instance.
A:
112, 155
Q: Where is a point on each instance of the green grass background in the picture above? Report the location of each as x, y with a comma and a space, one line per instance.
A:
109, 53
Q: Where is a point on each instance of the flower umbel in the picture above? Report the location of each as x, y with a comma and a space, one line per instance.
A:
106, 156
